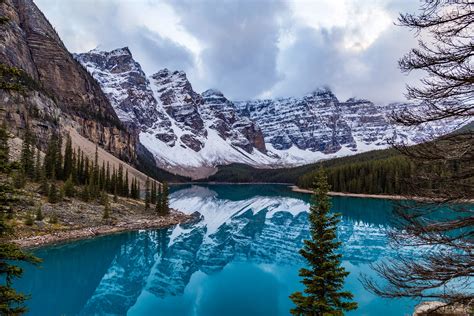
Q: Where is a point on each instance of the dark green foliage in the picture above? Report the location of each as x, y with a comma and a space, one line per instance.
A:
68, 187
85, 194
11, 301
50, 163
38, 166
147, 193
44, 184
4, 20
58, 167
381, 176
68, 158
153, 193
324, 280
125, 190
159, 201
19, 179
245, 173
39, 214
4, 149
53, 195
105, 202
164, 199
27, 154
12, 78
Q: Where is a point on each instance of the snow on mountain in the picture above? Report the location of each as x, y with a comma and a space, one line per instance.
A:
191, 133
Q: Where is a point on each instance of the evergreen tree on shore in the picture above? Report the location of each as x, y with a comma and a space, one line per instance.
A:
324, 279
11, 301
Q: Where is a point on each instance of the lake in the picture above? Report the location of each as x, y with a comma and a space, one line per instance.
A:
240, 257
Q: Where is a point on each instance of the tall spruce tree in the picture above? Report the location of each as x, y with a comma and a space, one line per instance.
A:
4, 149
11, 301
153, 192
165, 206
27, 154
58, 170
147, 193
159, 201
324, 279
68, 158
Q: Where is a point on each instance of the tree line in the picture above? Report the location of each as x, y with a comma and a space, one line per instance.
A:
60, 173
82, 177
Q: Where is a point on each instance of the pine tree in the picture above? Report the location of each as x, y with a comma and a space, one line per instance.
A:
38, 166
107, 178
153, 192
159, 201
39, 214
125, 185
68, 158
119, 179
27, 154
165, 207
95, 172
49, 163
4, 149
147, 193
53, 196
59, 158
105, 202
102, 177
324, 280
68, 187
11, 301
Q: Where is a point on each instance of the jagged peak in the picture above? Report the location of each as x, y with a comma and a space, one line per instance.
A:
115, 52
165, 72
322, 91
357, 100
212, 92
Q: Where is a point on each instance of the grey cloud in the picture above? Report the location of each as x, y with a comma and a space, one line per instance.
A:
81, 23
316, 59
240, 40
241, 53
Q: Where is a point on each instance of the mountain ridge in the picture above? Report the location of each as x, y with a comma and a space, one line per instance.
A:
191, 133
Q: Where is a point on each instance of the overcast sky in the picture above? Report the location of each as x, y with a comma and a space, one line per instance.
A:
251, 48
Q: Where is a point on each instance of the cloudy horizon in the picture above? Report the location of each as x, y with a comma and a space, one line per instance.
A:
251, 49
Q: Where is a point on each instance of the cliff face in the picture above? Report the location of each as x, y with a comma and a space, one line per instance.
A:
29, 43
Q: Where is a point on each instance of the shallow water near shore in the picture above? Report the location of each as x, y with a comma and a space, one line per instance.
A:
240, 258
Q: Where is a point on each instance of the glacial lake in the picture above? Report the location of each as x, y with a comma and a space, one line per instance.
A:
240, 258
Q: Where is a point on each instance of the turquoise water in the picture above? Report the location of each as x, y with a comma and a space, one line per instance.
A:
239, 258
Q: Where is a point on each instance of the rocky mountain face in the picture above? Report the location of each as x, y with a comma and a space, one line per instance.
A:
53, 88
185, 130
191, 133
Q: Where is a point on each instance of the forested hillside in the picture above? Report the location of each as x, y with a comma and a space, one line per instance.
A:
244, 173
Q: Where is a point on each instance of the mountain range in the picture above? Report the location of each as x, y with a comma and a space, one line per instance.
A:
191, 133
159, 120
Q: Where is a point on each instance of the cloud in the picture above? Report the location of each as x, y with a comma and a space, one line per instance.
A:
249, 48
240, 43
86, 24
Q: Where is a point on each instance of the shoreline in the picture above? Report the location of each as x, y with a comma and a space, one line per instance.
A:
83, 233
295, 188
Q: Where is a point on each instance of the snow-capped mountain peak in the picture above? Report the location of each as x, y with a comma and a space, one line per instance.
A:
191, 133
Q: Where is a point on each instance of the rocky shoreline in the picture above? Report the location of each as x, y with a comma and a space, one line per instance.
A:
63, 236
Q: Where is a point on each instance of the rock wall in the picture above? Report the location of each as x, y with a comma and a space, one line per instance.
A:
30, 43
